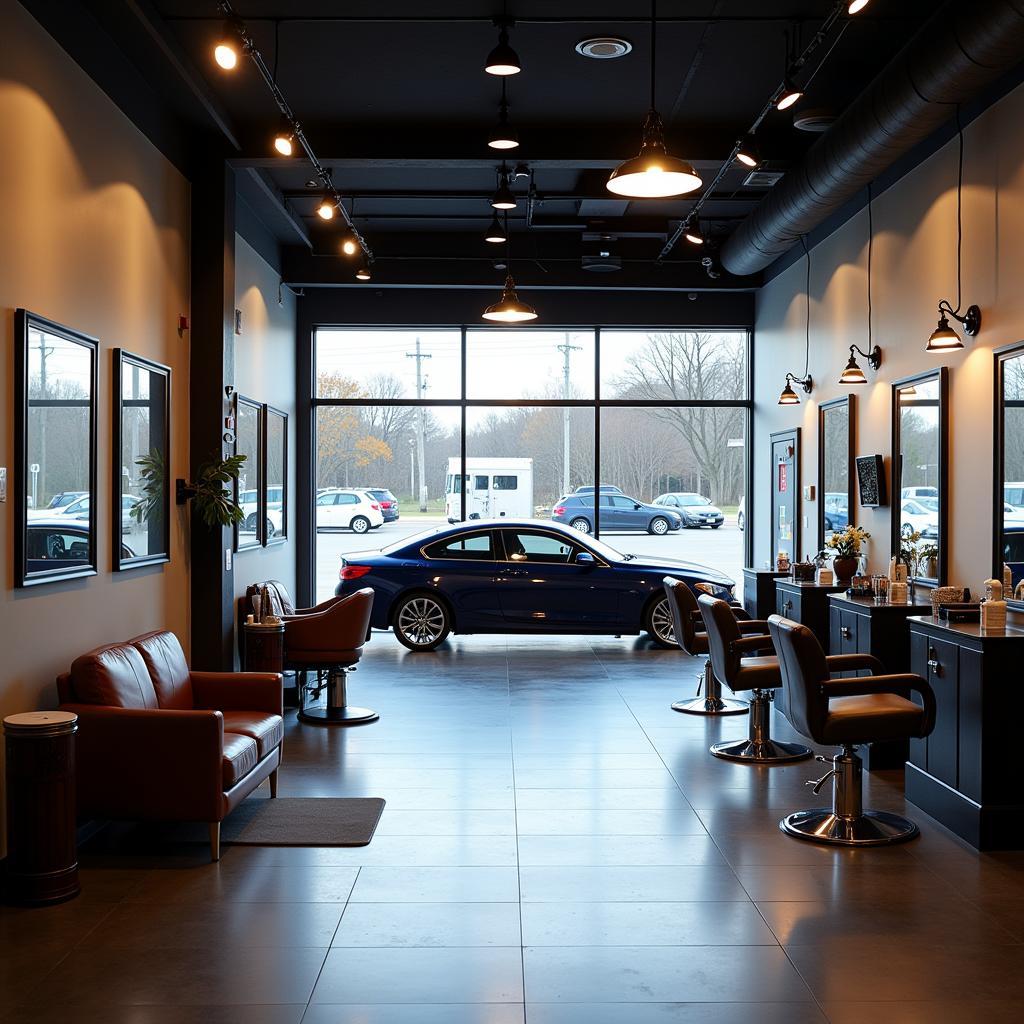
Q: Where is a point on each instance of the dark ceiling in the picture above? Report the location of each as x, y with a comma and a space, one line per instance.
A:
394, 100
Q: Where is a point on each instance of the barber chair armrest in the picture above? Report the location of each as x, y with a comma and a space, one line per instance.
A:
751, 626
760, 642
741, 613
239, 691
321, 607
861, 686
853, 662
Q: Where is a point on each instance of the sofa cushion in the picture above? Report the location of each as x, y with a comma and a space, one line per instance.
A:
115, 676
167, 667
240, 757
266, 730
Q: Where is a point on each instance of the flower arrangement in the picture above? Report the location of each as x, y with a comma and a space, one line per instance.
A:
847, 542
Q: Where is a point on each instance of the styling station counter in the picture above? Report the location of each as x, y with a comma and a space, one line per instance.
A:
759, 591
807, 603
964, 774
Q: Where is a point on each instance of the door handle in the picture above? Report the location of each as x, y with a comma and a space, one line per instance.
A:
844, 632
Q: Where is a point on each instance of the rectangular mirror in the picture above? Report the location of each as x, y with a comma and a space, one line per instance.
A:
55, 451
1008, 504
249, 492
785, 524
276, 476
835, 466
141, 469
920, 442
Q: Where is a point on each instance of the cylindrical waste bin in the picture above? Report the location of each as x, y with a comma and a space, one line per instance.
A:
42, 854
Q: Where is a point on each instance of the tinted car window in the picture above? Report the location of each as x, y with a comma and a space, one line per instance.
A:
51, 543
474, 547
622, 502
1013, 547
524, 546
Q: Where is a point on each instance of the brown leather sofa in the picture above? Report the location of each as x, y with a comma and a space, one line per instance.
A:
159, 742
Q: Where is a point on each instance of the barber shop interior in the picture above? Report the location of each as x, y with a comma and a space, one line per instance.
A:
511, 512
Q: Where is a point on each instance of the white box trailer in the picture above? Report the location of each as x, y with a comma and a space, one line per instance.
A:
493, 487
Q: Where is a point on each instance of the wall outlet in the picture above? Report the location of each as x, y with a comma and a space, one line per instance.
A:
227, 559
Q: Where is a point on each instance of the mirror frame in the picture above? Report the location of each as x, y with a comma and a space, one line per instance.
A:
258, 461
24, 322
280, 536
940, 374
1001, 356
121, 357
791, 434
850, 401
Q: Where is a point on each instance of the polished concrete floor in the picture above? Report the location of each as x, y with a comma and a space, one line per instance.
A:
557, 847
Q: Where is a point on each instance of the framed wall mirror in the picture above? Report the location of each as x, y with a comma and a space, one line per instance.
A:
1008, 500
276, 476
249, 489
141, 465
836, 421
920, 463
785, 535
55, 451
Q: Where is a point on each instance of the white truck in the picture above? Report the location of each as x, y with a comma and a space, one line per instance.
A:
493, 488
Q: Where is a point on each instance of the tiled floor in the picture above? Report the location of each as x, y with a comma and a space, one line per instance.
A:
558, 847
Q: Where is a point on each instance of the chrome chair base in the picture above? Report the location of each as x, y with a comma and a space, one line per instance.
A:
761, 751
712, 703
337, 711
872, 828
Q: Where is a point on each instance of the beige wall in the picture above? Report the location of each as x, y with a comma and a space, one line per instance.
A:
914, 265
93, 232
265, 371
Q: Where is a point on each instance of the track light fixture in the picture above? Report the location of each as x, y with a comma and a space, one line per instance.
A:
788, 395
944, 338
747, 153
789, 95
856, 6
363, 271
503, 60
853, 374
228, 48
326, 208
284, 140
653, 174
350, 243
495, 233
693, 234
503, 135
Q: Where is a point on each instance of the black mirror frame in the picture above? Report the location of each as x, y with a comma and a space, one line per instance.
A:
122, 356
941, 374
258, 461
791, 434
280, 536
23, 322
1001, 357
850, 402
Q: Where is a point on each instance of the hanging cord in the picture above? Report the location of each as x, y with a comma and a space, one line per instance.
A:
807, 291
277, 47
959, 210
654, 31
871, 242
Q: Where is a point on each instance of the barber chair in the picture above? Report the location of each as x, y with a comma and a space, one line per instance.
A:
847, 713
688, 630
746, 661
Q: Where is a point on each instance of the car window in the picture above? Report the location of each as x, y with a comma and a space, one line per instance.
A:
1013, 547
325, 499
526, 546
506, 483
466, 547
57, 544
480, 483
913, 508
348, 499
618, 501
693, 499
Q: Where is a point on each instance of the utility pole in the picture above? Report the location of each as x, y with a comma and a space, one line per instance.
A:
412, 467
566, 349
421, 419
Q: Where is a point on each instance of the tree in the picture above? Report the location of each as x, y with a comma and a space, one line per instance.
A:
344, 438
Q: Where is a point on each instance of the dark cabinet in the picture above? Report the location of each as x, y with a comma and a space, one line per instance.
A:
759, 591
961, 773
806, 603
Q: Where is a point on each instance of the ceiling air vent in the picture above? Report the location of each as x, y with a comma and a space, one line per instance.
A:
600, 264
604, 47
763, 179
815, 121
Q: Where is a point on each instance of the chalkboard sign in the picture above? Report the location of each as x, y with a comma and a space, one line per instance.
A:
871, 478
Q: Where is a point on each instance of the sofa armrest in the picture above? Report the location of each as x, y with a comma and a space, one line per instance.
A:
239, 691
142, 764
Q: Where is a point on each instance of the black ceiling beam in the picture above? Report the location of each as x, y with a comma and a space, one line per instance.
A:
267, 188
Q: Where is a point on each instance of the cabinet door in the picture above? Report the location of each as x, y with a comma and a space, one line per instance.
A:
919, 666
944, 676
835, 624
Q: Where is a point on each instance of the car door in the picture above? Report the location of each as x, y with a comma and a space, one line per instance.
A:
326, 511
463, 567
612, 515
627, 515
540, 584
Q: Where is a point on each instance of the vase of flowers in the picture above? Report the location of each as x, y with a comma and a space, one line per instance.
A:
846, 544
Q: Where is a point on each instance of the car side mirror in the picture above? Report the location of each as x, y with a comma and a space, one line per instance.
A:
585, 558
636, 504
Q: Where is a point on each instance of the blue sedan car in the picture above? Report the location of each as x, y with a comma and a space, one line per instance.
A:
618, 512
516, 576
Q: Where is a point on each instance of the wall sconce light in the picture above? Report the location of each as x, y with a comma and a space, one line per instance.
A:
944, 338
789, 396
853, 374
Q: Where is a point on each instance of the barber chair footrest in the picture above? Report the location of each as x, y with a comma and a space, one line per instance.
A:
761, 752
872, 828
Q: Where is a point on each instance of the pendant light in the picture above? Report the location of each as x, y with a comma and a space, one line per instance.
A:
653, 174
747, 152
805, 383
495, 234
944, 338
853, 375
503, 60
363, 271
509, 309
503, 198
693, 234
503, 135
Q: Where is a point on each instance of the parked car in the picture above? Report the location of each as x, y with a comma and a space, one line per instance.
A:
343, 509
741, 513
387, 501
605, 489
61, 542
62, 498
920, 492
248, 501
1013, 551
695, 509
618, 512
1013, 493
484, 576
919, 517
1012, 514
72, 503
836, 510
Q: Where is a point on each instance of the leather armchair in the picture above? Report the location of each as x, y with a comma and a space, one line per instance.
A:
847, 713
158, 742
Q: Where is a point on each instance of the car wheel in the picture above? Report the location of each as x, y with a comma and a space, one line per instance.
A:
359, 525
250, 523
421, 622
270, 529
581, 524
658, 623
658, 526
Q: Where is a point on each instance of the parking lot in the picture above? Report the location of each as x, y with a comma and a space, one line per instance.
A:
720, 549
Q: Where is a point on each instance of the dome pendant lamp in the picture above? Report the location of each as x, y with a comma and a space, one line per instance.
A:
944, 338
495, 234
503, 135
852, 374
653, 174
509, 309
503, 60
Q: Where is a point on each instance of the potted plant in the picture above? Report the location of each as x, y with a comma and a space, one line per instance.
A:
846, 544
928, 561
213, 499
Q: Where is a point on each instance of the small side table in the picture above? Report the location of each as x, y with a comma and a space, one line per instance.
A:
42, 851
264, 647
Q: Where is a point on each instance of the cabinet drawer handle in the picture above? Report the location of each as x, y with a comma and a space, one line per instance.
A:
844, 632
787, 607
933, 662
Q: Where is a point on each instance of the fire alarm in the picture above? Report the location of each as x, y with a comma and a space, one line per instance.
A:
182, 323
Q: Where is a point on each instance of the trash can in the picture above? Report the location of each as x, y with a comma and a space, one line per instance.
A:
42, 852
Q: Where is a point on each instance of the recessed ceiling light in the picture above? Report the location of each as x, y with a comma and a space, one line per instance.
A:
604, 47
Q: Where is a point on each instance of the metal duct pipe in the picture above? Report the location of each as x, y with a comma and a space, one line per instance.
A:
962, 49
